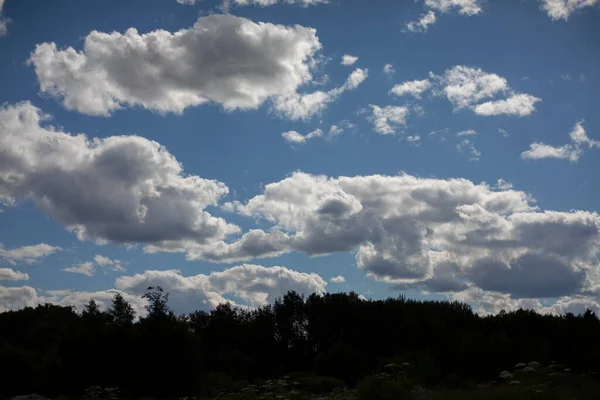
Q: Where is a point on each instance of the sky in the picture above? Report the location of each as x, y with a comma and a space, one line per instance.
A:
232, 150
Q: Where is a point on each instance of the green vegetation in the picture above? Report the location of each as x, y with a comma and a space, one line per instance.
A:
335, 346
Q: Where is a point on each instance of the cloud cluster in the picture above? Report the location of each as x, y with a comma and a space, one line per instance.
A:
562, 9
303, 106
120, 189
386, 120
254, 284
470, 87
467, 146
435, 234
571, 151
26, 254
228, 60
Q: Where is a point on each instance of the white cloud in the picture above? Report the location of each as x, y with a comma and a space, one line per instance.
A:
90, 268
14, 298
303, 106
255, 284
338, 279
468, 132
187, 2
26, 254
389, 69
423, 23
347, 59
7, 274
503, 132
387, 119
297, 138
468, 146
335, 131
518, 104
415, 140
120, 189
85, 268
435, 233
571, 151
465, 7
103, 261
562, 9
503, 185
224, 59
464, 86
415, 88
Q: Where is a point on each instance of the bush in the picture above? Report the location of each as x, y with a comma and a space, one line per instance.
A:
341, 362
319, 384
455, 382
381, 389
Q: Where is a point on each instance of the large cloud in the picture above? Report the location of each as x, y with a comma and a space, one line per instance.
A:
225, 59
121, 189
254, 284
438, 232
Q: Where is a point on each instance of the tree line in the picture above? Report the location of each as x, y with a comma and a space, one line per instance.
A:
53, 350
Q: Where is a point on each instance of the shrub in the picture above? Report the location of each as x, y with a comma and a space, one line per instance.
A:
376, 388
319, 384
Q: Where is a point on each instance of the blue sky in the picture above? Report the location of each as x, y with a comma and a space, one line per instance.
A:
521, 77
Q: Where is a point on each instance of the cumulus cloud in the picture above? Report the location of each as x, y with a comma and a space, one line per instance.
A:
465, 86
187, 2
562, 9
255, 284
294, 137
347, 59
388, 69
465, 7
338, 279
571, 151
517, 104
228, 60
14, 298
415, 88
387, 119
442, 235
8, 274
26, 254
466, 146
303, 106
468, 132
120, 189
423, 23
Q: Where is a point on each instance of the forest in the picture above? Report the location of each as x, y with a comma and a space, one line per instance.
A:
322, 344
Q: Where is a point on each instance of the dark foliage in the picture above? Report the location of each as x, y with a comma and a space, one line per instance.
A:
324, 340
